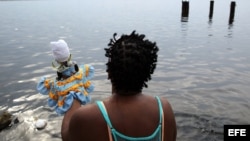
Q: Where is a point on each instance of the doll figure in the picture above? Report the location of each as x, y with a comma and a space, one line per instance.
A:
72, 81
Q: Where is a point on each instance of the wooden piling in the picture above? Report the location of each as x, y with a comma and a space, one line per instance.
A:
211, 9
232, 11
185, 8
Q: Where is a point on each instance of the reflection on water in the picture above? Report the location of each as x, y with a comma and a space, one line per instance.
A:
230, 30
184, 19
203, 66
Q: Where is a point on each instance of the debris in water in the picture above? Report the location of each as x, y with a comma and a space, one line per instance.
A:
40, 124
5, 120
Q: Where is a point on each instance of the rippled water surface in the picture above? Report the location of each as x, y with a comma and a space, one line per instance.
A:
203, 68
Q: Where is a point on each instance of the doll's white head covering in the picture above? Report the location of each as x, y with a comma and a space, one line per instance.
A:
60, 50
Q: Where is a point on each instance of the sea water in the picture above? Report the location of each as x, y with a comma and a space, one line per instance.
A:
203, 65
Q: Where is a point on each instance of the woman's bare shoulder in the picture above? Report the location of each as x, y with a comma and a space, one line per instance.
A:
166, 104
86, 123
169, 121
85, 113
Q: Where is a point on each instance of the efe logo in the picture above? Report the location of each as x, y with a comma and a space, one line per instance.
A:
236, 132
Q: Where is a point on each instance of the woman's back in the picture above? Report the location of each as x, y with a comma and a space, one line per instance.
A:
134, 116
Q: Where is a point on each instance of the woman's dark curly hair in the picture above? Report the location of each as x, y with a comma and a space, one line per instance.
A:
131, 61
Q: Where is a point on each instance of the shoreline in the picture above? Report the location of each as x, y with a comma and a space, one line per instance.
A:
26, 130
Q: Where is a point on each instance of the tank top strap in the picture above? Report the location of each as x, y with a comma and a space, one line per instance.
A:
160, 108
158, 134
101, 106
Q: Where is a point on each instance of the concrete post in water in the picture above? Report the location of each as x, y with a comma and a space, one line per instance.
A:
211, 10
185, 10
232, 11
